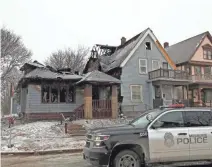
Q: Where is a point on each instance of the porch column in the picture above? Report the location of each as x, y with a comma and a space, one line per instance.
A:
199, 96
88, 101
114, 101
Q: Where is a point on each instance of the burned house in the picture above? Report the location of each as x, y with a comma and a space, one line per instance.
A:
148, 75
47, 92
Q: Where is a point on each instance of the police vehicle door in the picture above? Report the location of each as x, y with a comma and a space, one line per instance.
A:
199, 124
167, 141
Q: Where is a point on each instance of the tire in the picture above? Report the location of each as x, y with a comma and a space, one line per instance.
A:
127, 157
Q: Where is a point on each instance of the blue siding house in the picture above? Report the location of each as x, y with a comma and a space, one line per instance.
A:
147, 73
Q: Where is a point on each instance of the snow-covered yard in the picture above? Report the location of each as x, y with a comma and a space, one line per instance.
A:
38, 136
46, 135
97, 123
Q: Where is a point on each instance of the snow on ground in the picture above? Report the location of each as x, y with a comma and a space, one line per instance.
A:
96, 123
40, 135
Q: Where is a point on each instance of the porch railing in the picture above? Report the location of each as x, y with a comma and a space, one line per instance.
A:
169, 74
202, 77
79, 112
102, 109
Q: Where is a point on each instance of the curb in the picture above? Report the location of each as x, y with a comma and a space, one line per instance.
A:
24, 153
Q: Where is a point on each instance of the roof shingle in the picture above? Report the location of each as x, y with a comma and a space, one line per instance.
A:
182, 51
97, 76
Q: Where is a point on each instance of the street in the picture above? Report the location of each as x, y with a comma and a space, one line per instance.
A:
56, 160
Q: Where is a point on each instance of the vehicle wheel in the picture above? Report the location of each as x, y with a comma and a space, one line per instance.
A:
127, 158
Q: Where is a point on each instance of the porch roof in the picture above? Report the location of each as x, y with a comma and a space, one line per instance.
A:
42, 73
100, 77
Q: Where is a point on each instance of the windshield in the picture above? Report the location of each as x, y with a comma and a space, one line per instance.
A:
142, 120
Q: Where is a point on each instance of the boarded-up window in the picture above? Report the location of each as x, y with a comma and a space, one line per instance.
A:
142, 66
136, 93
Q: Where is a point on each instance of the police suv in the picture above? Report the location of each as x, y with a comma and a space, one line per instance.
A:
168, 135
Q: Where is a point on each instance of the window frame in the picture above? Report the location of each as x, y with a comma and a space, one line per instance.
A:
206, 53
165, 63
58, 94
162, 114
185, 121
158, 61
150, 45
141, 93
143, 66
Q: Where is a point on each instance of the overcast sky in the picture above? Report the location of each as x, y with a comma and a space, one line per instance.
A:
48, 25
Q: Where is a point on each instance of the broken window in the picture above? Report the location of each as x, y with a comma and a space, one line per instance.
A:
71, 93
54, 94
63, 92
148, 46
45, 93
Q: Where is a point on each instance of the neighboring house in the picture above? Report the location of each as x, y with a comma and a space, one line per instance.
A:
147, 73
46, 92
194, 55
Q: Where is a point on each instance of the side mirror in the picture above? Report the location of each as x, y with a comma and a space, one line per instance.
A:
149, 117
157, 124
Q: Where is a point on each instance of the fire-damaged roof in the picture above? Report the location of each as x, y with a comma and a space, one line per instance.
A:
124, 51
43, 73
34, 64
97, 76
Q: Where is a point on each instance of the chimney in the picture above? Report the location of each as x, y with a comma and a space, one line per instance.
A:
166, 45
123, 40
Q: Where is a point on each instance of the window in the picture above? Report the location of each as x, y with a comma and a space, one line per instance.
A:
172, 120
142, 66
54, 94
71, 93
207, 54
207, 70
208, 95
165, 65
136, 93
198, 118
57, 93
63, 93
155, 64
197, 70
45, 93
148, 46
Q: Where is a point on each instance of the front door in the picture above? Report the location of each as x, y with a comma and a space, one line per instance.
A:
199, 124
169, 142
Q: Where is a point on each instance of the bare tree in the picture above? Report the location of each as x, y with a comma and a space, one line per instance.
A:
13, 55
68, 58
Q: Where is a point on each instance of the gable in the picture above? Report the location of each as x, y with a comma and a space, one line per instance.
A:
154, 54
198, 55
154, 40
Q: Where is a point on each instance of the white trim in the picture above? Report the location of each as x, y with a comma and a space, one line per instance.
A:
149, 32
141, 93
139, 66
158, 64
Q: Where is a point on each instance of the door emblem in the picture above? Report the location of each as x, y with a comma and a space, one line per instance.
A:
168, 139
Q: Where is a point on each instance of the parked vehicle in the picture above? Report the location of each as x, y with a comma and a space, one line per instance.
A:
165, 135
